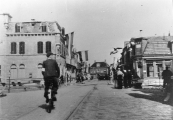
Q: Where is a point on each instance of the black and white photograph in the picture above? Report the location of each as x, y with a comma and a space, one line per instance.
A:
86, 59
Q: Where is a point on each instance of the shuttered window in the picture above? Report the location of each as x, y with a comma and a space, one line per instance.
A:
43, 28
48, 46
13, 48
21, 48
17, 27
40, 47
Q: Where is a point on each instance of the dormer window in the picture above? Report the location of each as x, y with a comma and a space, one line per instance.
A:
43, 27
17, 27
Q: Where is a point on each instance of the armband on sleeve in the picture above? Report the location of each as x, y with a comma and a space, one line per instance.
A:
43, 69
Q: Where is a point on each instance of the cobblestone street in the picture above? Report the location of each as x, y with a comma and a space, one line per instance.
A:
104, 103
107, 103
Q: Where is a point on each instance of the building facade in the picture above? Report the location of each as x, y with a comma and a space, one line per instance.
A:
147, 57
24, 46
99, 69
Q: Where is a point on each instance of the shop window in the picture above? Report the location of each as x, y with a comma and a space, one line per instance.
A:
150, 70
13, 48
40, 47
21, 48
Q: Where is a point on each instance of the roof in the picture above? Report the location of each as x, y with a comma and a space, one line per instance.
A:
158, 45
34, 27
100, 64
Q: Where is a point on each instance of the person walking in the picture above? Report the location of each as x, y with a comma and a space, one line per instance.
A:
129, 78
125, 79
111, 77
120, 76
166, 76
167, 83
50, 71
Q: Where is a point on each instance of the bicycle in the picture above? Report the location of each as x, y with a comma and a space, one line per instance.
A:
50, 96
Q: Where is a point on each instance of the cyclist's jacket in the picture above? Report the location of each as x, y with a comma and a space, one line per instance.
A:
51, 68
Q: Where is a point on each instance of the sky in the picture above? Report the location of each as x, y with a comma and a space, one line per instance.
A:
98, 25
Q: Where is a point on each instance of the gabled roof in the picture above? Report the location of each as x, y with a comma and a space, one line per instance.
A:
158, 45
100, 64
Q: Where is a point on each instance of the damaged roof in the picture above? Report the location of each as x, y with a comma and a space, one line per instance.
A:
158, 45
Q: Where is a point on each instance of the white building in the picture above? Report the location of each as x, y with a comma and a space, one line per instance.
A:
23, 48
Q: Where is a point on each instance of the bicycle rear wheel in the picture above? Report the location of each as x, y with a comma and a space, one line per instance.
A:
50, 106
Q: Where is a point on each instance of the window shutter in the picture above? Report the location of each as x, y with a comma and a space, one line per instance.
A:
22, 48
13, 48
48, 46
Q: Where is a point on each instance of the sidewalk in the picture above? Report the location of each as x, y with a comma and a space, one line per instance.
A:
29, 87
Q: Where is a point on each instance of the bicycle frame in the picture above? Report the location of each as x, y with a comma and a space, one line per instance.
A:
50, 96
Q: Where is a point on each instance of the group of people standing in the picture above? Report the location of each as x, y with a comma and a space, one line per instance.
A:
121, 78
79, 77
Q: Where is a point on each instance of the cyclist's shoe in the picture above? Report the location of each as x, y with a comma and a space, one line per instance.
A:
54, 98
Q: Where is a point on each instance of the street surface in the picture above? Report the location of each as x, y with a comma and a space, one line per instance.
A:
104, 103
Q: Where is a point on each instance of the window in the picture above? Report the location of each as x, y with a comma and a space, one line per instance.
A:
13, 71
40, 66
21, 48
62, 49
13, 48
21, 66
0, 70
43, 28
0, 73
17, 28
21, 71
40, 47
48, 46
39, 71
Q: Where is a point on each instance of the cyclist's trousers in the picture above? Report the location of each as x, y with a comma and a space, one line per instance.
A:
48, 81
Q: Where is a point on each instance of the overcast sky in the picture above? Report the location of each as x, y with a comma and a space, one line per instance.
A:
98, 25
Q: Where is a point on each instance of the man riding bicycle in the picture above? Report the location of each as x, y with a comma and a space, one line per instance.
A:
50, 71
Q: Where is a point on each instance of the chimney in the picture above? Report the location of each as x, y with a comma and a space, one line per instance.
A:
7, 18
63, 31
32, 20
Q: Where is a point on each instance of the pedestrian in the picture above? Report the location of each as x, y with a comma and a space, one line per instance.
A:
129, 78
166, 76
82, 78
3, 89
111, 76
125, 79
50, 71
120, 76
167, 83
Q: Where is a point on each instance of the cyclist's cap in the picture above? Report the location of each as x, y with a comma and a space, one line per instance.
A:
49, 54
